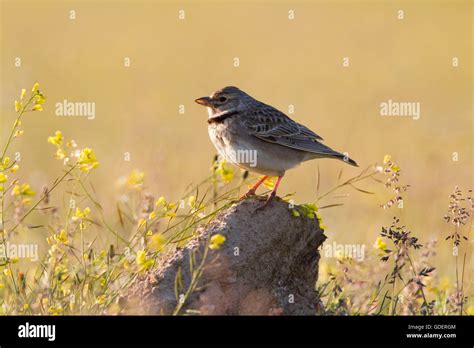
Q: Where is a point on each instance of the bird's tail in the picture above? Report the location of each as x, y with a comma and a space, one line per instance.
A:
320, 150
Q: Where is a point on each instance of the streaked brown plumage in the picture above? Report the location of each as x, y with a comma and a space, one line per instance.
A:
239, 123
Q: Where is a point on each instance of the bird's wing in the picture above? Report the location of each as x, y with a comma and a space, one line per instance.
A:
269, 124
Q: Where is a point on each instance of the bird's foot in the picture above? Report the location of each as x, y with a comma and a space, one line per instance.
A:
267, 201
249, 193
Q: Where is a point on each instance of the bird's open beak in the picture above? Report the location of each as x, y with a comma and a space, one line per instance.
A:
206, 101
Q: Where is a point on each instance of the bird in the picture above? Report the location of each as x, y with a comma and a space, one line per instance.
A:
259, 138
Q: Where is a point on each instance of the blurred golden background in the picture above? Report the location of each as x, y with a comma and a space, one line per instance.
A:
282, 62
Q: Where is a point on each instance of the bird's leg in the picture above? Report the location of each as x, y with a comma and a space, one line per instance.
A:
273, 194
254, 188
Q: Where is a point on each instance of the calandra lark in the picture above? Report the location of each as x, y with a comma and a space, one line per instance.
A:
259, 138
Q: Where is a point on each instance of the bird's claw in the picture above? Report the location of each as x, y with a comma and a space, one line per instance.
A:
249, 193
267, 202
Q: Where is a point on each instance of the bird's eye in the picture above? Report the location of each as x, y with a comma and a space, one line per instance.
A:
222, 99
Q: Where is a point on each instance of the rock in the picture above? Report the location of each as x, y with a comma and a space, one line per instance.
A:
268, 265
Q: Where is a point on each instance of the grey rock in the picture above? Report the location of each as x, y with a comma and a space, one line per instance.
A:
268, 265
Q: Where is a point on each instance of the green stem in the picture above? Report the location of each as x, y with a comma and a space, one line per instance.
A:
196, 275
15, 125
348, 182
46, 193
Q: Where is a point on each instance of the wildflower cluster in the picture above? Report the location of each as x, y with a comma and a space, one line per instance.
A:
34, 103
401, 238
85, 158
391, 169
411, 285
458, 213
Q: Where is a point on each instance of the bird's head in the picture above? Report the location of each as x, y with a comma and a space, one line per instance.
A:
226, 99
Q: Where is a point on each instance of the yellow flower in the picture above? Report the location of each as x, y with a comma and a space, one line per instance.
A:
216, 241
169, 210
3, 178
23, 190
227, 174
55, 310
135, 179
61, 237
100, 300
18, 133
152, 215
170, 214
18, 105
6, 162
270, 182
60, 154
141, 223
23, 93
57, 139
26, 190
39, 99
160, 201
37, 107
26, 201
380, 245
15, 190
81, 214
141, 257
61, 271
35, 87
87, 160
192, 201
142, 260
15, 168
387, 159
157, 242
